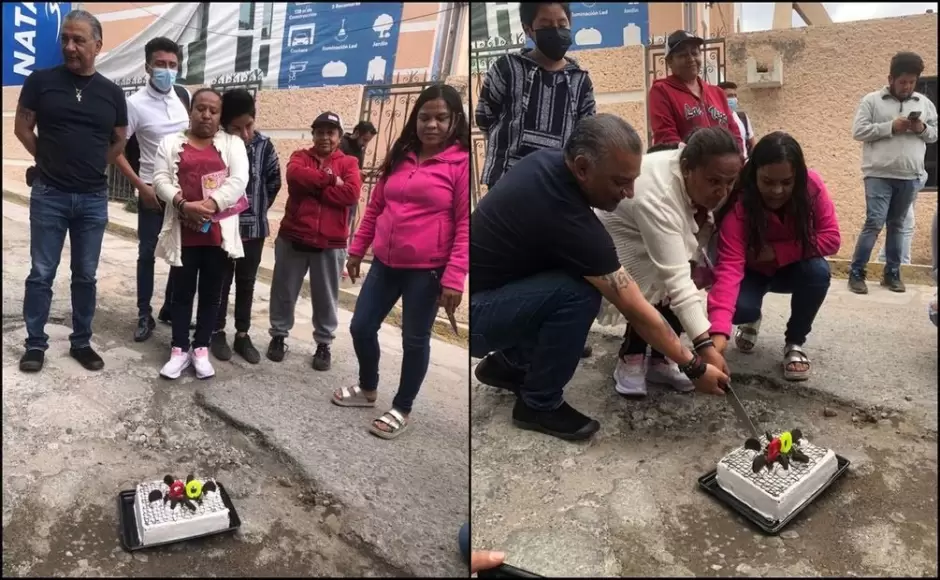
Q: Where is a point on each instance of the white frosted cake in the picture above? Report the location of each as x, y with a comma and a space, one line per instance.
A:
164, 514
775, 492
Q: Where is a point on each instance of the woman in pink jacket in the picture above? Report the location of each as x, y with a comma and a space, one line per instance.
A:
418, 225
774, 237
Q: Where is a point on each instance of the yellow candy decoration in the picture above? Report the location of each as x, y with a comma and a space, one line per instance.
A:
786, 442
194, 489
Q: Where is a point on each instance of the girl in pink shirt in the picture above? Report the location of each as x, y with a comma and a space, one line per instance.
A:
774, 236
418, 225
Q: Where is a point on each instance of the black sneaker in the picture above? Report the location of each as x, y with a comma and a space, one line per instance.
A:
564, 422
494, 371
322, 358
219, 347
145, 326
246, 349
164, 316
32, 361
857, 283
87, 357
277, 349
587, 352
892, 281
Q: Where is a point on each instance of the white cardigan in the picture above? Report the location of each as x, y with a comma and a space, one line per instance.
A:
166, 184
656, 235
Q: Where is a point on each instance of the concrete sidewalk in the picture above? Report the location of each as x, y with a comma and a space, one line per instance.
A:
401, 501
124, 223
626, 503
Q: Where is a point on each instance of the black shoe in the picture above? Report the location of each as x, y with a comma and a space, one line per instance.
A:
164, 317
857, 283
277, 349
494, 371
893, 282
322, 358
587, 352
32, 361
564, 422
145, 326
219, 347
247, 350
87, 357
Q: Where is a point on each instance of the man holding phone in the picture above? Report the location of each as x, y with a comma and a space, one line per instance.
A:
894, 124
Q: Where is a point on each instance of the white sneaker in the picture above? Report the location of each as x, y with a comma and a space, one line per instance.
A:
179, 362
666, 372
630, 375
202, 364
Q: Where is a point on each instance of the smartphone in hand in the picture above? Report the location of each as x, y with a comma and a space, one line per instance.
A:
913, 116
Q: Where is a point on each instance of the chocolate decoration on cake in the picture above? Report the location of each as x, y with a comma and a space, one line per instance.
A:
782, 449
182, 493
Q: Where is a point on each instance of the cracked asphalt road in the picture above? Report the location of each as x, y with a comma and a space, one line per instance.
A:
315, 492
626, 503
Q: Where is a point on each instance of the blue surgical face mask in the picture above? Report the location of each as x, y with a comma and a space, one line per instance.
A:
733, 103
163, 79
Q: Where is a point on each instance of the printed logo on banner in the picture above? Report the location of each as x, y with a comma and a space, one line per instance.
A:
338, 43
31, 38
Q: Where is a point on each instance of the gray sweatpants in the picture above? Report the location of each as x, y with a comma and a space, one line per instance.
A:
290, 269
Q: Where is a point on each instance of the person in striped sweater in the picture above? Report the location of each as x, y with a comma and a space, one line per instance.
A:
264, 182
657, 234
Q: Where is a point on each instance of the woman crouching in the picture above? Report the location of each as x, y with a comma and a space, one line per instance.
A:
774, 237
198, 173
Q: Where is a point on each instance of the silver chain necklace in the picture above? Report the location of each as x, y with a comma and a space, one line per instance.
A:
78, 91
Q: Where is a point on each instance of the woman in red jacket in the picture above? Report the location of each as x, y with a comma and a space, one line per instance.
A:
418, 225
683, 101
774, 237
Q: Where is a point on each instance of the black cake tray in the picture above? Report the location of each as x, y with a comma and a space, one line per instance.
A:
130, 539
709, 483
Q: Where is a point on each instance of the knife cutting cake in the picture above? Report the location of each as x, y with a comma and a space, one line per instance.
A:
172, 509
775, 475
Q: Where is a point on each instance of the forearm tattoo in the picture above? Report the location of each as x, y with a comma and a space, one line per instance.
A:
618, 280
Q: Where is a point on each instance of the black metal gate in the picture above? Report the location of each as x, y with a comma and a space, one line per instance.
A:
483, 53
387, 106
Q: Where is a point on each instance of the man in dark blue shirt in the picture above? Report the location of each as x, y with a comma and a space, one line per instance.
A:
540, 261
81, 118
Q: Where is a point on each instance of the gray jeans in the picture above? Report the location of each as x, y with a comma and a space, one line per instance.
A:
290, 269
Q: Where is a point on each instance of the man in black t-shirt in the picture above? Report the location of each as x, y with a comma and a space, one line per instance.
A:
81, 118
540, 261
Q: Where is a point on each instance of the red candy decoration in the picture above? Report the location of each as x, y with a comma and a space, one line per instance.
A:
177, 490
773, 450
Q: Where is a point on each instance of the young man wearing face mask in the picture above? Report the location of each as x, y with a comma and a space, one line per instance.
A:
683, 101
158, 109
744, 122
533, 99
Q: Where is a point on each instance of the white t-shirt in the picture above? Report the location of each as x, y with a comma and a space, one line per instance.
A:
747, 132
151, 116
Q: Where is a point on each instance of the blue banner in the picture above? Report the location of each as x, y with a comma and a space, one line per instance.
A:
31, 38
338, 43
608, 25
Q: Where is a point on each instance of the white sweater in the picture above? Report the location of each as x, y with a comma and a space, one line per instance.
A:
166, 184
656, 235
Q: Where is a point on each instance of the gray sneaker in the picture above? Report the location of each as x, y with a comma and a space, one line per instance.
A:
857, 283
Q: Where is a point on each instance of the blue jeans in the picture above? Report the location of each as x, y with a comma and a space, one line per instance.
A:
52, 214
419, 291
807, 282
887, 202
538, 324
149, 224
907, 237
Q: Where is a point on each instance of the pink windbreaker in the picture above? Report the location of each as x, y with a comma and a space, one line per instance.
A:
732, 250
419, 217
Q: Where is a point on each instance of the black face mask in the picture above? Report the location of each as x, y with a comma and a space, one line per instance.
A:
553, 42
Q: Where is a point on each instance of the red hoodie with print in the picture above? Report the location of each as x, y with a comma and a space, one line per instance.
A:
675, 111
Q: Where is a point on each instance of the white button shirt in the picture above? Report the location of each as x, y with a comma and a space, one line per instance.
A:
152, 115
